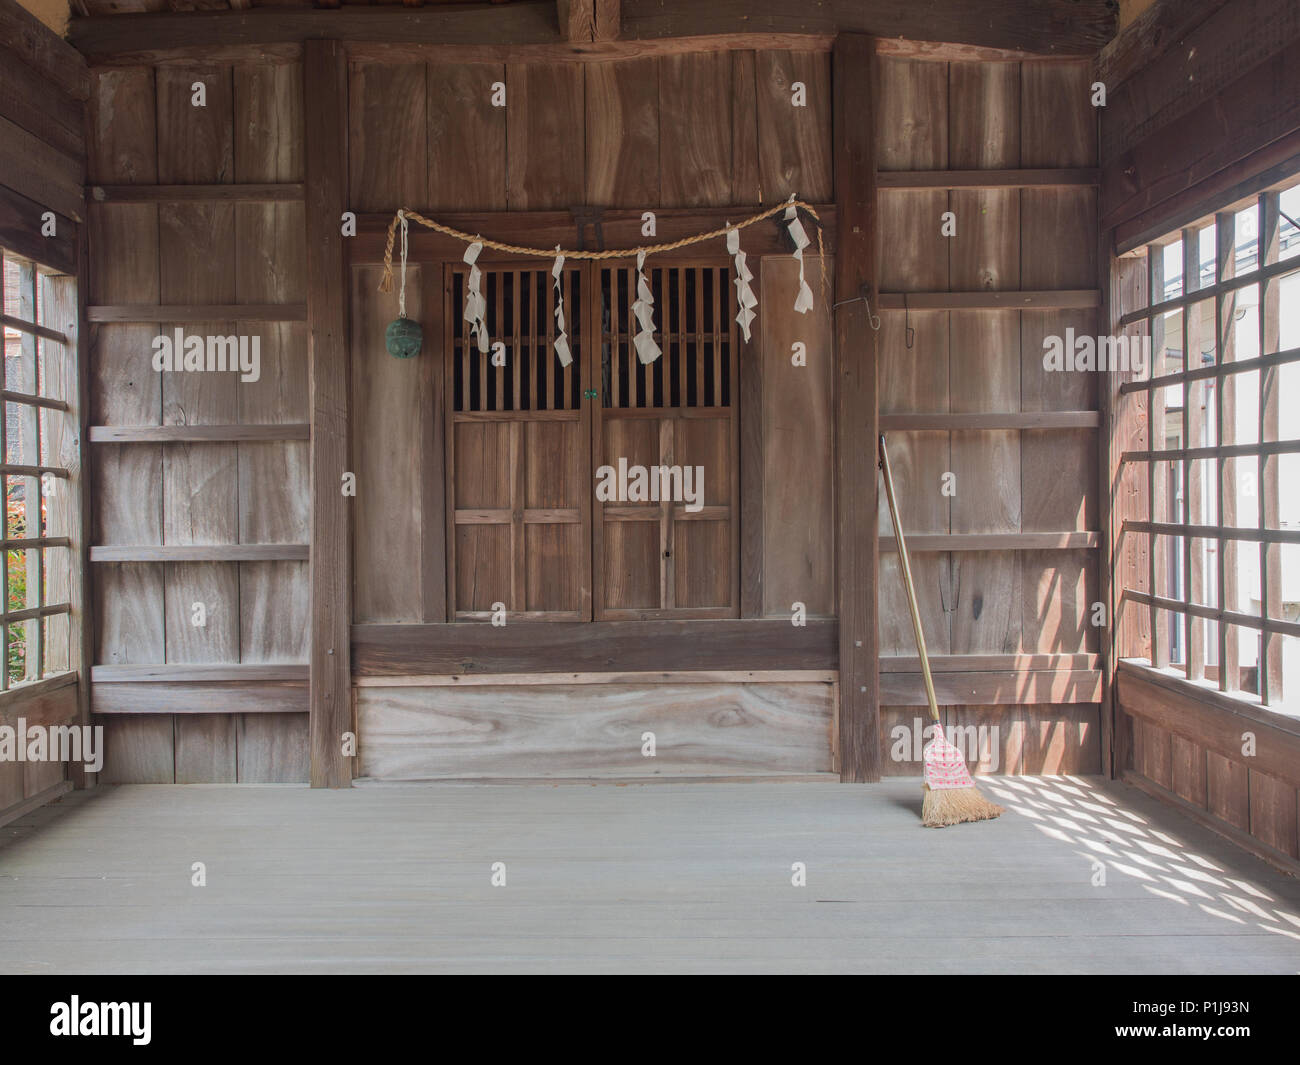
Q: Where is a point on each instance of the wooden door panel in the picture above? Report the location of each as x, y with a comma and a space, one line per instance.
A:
654, 557
519, 450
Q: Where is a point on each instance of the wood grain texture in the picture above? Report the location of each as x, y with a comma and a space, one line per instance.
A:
466, 138
325, 94
794, 141
390, 404
273, 748
386, 136
622, 134
856, 374
561, 731
798, 431
695, 130
545, 136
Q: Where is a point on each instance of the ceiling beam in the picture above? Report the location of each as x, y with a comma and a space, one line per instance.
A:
942, 28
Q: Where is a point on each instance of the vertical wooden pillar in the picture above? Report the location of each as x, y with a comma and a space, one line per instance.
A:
853, 67
325, 125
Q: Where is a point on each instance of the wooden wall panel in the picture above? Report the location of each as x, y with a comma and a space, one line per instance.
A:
695, 129
387, 136
622, 133
390, 400
798, 449
794, 141
545, 139
272, 749
595, 731
466, 138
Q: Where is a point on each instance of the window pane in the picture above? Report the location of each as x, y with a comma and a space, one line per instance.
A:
1205, 572
1245, 243
1172, 264
1288, 234
1206, 248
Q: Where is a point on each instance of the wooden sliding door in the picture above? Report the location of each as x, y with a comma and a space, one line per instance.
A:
518, 451
527, 441
675, 419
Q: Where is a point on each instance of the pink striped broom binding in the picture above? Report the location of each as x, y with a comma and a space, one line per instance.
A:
950, 795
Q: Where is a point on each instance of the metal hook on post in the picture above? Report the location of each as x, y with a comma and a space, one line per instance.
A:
909, 334
864, 295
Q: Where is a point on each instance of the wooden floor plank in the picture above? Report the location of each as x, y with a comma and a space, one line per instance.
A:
664, 877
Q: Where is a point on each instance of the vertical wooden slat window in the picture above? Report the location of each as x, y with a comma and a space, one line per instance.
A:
1221, 306
38, 430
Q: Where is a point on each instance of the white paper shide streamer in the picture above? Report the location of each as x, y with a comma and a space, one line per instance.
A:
745, 298
644, 341
475, 304
804, 301
561, 337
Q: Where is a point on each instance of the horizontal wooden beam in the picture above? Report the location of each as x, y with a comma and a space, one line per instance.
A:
20, 233
28, 39
546, 229
641, 678
1000, 688
592, 647
126, 434
200, 553
1140, 43
265, 193
1210, 613
27, 399
181, 673
1009, 29
41, 172
190, 312
186, 697
1023, 541
989, 663
1211, 719
1005, 300
986, 179
1039, 419
31, 328
1214, 532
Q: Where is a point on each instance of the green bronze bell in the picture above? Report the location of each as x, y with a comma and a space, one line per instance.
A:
403, 338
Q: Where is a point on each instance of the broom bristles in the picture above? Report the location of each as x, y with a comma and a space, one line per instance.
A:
951, 806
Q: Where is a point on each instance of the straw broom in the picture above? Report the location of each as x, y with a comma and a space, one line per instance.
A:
950, 795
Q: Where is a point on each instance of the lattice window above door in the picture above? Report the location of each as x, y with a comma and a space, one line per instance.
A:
693, 315
520, 315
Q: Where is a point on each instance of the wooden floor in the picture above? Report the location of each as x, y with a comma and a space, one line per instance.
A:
659, 877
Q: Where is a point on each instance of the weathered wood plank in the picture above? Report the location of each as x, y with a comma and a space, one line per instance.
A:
388, 650
794, 127
854, 71
695, 130
545, 136
466, 138
622, 134
580, 731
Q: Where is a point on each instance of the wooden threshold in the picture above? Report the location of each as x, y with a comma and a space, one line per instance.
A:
749, 676
593, 647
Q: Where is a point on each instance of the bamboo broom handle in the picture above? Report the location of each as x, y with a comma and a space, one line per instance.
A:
906, 567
